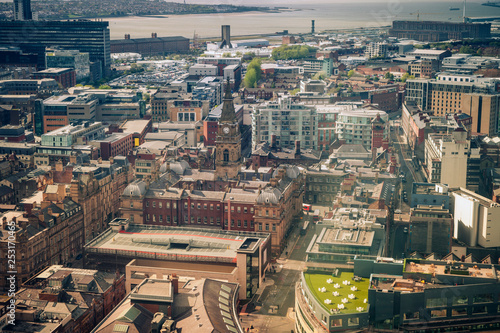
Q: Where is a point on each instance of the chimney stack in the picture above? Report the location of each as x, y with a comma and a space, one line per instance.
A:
127, 36
273, 141
297, 147
154, 35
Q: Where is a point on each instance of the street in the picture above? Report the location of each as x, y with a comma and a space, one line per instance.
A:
274, 306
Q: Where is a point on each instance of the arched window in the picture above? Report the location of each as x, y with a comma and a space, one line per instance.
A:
226, 155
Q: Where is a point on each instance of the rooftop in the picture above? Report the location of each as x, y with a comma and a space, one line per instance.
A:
182, 244
315, 282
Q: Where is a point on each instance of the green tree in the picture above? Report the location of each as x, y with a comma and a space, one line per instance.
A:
251, 78
226, 55
467, 49
321, 75
104, 86
389, 76
146, 97
294, 91
350, 73
407, 76
286, 52
255, 64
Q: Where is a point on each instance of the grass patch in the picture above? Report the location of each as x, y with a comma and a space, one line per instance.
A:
315, 281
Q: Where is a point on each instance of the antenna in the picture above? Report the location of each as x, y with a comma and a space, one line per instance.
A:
465, 19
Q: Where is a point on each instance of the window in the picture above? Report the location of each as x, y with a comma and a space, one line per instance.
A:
353, 321
232, 209
251, 210
211, 220
160, 204
168, 205
226, 155
267, 212
232, 223
192, 205
131, 204
239, 223
479, 309
147, 203
147, 217
174, 205
245, 223
192, 219
218, 207
274, 227
161, 219
267, 227
198, 220
460, 300
459, 312
435, 302
154, 204
199, 206
218, 221
483, 298
205, 220
438, 313
211, 207
238, 209
245, 210
168, 218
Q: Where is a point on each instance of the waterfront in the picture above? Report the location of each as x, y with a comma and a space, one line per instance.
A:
328, 16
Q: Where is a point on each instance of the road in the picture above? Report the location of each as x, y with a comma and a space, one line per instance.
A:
274, 307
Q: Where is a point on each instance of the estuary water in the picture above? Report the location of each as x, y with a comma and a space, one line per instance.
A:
328, 15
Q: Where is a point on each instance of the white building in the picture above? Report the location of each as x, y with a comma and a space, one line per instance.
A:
287, 120
476, 219
446, 158
374, 50
355, 126
203, 70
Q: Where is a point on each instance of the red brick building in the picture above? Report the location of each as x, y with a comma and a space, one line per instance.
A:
64, 76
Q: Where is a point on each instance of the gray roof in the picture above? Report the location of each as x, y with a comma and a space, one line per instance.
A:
269, 195
135, 189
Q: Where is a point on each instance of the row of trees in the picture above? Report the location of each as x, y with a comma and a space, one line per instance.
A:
287, 52
254, 72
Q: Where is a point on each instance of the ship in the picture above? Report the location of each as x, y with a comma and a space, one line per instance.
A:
492, 3
454, 8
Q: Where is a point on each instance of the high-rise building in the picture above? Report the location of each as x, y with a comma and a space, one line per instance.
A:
22, 10
446, 158
35, 36
288, 121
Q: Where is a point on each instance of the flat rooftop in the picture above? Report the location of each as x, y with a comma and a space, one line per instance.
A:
315, 283
451, 268
186, 244
351, 237
183, 266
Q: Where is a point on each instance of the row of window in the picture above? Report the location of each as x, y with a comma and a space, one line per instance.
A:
199, 206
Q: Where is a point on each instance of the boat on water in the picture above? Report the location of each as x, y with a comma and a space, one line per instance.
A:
454, 8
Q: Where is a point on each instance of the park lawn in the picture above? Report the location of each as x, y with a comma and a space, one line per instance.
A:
315, 281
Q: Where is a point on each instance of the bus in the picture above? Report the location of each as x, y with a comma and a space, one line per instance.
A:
316, 216
303, 231
306, 207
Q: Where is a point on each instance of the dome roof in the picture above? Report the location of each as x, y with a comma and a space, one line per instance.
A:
135, 189
269, 195
179, 167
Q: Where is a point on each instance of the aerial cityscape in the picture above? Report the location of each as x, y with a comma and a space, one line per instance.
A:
249, 166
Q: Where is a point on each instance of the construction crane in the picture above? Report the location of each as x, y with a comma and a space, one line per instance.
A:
418, 14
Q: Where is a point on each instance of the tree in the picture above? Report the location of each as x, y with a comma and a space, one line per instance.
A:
251, 78
286, 52
389, 76
255, 64
104, 86
321, 75
350, 73
226, 55
146, 97
407, 76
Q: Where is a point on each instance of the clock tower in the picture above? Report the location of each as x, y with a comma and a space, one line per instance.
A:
228, 141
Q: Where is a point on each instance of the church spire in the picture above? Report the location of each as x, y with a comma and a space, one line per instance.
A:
228, 114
